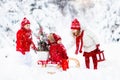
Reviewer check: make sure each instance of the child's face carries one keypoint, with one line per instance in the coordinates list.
(27, 26)
(50, 38)
(75, 32)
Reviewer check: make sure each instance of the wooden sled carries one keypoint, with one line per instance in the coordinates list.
(44, 63)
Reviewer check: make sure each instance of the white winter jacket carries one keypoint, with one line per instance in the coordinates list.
(89, 41)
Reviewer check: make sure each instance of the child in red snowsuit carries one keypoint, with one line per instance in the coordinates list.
(57, 51)
(24, 39)
(87, 41)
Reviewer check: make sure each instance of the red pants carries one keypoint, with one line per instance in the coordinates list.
(92, 54)
(65, 64)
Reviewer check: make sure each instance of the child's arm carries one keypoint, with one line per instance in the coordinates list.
(33, 46)
(63, 51)
(20, 42)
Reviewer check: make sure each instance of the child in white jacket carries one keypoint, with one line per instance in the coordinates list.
(85, 41)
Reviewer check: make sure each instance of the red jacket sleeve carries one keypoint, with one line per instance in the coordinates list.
(24, 40)
(53, 53)
(19, 39)
(62, 51)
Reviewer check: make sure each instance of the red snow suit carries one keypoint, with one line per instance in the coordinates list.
(24, 40)
(58, 52)
(58, 55)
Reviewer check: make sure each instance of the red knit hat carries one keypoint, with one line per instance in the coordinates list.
(24, 22)
(75, 24)
(56, 37)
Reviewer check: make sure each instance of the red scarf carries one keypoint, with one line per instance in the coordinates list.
(79, 39)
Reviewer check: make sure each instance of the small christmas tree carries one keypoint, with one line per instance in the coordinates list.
(43, 42)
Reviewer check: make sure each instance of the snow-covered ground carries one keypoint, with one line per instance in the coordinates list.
(10, 69)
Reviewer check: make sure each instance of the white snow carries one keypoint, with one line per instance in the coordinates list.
(10, 69)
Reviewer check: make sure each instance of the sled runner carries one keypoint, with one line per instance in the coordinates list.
(76, 62)
(51, 73)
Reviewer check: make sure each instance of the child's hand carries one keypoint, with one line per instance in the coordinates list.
(34, 47)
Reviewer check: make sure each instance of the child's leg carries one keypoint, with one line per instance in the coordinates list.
(65, 64)
(87, 61)
(28, 59)
(95, 63)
